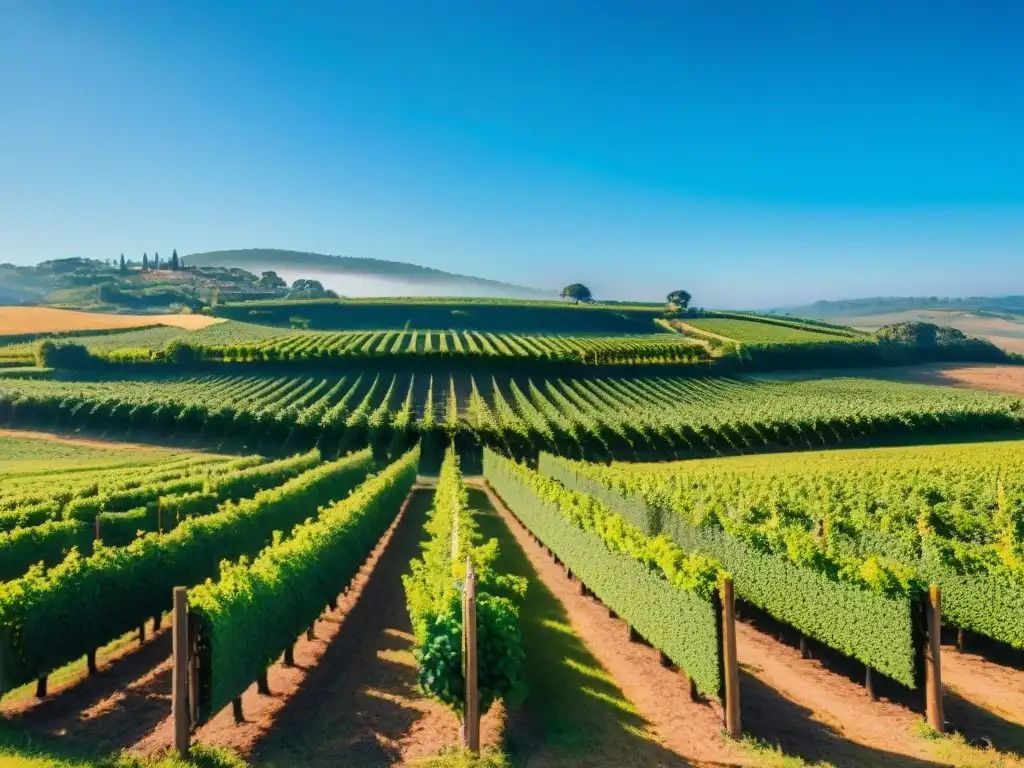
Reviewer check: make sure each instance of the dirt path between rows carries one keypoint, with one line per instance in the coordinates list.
(689, 731)
(809, 710)
(984, 698)
(108, 711)
(351, 699)
(819, 709)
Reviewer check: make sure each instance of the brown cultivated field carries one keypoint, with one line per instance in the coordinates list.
(18, 320)
(994, 378)
(997, 378)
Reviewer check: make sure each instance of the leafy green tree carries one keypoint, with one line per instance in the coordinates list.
(577, 292)
(679, 299)
(175, 261)
(145, 263)
(271, 281)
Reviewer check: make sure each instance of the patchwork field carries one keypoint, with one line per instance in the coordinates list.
(38, 320)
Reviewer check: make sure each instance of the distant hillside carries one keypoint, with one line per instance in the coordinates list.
(881, 305)
(999, 319)
(352, 276)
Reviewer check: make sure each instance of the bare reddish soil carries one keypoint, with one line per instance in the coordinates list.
(996, 378)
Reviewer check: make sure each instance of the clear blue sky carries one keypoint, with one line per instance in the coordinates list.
(754, 153)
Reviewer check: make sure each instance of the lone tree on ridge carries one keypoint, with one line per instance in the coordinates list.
(577, 292)
(679, 299)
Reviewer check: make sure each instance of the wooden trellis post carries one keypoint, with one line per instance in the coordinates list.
(180, 711)
(933, 660)
(471, 721)
(732, 673)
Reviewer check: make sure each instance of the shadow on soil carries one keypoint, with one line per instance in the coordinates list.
(778, 721)
(343, 715)
(102, 712)
(981, 727)
(574, 714)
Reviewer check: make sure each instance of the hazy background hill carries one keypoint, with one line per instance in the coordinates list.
(1000, 319)
(352, 276)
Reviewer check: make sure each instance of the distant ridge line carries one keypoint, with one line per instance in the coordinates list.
(272, 258)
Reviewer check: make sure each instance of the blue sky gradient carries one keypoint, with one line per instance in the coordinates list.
(754, 153)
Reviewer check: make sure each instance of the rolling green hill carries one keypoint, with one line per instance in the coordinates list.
(405, 278)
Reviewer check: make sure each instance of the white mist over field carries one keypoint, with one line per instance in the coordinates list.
(358, 285)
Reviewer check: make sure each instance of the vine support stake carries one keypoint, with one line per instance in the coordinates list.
(471, 725)
(933, 660)
(732, 672)
(90, 662)
(961, 639)
(869, 683)
(180, 711)
(236, 710)
(41, 687)
(263, 685)
(805, 651)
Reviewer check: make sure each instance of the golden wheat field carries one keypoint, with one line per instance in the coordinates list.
(18, 320)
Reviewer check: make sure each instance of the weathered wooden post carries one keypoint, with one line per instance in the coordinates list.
(933, 660)
(869, 683)
(90, 662)
(180, 710)
(471, 724)
(961, 639)
(732, 673)
(98, 537)
(805, 651)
